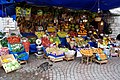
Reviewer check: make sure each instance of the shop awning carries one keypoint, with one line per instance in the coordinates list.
(91, 5)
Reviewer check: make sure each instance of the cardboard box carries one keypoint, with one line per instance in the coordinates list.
(8, 57)
(9, 63)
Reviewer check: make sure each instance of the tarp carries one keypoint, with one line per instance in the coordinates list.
(77, 4)
(91, 5)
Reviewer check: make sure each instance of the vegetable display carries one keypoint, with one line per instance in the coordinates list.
(55, 40)
(4, 42)
(32, 40)
(17, 47)
(11, 66)
(45, 42)
(13, 39)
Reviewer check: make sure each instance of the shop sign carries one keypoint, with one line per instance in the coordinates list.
(23, 11)
(18, 11)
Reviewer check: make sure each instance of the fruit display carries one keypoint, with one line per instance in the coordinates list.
(61, 34)
(6, 60)
(54, 40)
(82, 30)
(56, 51)
(45, 42)
(51, 29)
(32, 40)
(97, 50)
(101, 57)
(39, 34)
(11, 66)
(81, 43)
(86, 52)
(77, 39)
(66, 27)
(72, 33)
(17, 47)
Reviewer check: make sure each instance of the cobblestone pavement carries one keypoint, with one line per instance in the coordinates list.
(65, 70)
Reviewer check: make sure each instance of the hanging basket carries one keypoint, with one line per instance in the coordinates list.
(97, 19)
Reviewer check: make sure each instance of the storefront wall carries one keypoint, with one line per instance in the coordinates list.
(115, 26)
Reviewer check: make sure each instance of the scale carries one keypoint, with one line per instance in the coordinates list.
(39, 48)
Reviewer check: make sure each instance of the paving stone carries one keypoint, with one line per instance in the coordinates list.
(71, 70)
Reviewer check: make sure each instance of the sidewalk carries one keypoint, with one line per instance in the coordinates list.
(71, 70)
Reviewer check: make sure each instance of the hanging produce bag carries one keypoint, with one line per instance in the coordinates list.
(26, 46)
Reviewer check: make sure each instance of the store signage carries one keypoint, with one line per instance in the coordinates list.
(26, 12)
(7, 24)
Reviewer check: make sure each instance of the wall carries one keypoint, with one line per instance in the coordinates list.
(115, 27)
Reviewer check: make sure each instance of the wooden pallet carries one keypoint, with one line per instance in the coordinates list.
(68, 58)
(100, 62)
(22, 62)
(39, 56)
(56, 59)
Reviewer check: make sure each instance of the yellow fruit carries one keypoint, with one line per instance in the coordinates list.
(5, 60)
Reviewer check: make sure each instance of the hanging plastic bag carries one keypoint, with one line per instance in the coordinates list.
(78, 54)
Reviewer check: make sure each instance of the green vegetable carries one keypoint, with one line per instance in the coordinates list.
(20, 56)
(4, 43)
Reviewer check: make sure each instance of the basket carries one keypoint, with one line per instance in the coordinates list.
(69, 54)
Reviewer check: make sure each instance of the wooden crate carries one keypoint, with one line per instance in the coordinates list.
(8, 56)
(100, 62)
(22, 62)
(8, 59)
(68, 58)
(56, 59)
